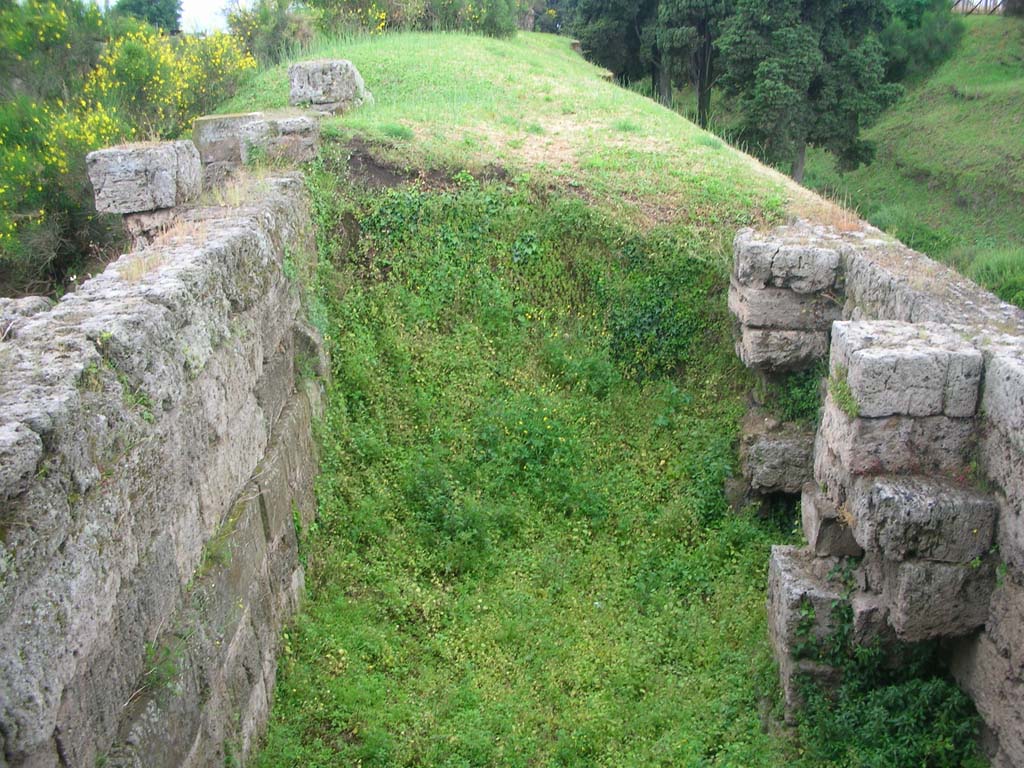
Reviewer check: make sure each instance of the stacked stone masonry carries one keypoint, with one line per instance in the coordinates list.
(157, 459)
(155, 454)
(918, 458)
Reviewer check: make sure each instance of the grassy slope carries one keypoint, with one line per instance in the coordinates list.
(531, 104)
(522, 555)
(949, 175)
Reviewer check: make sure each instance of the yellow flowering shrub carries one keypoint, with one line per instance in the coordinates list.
(138, 75)
(210, 69)
(140, 84)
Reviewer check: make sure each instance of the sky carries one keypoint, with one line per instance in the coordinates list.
(203, 15)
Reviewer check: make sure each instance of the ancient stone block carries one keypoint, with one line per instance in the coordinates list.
(922, 517)
(1004, 465)
(327, 85)
(827, 532)
(902, 369)
(235, 139)
(144, 177)
(763, 261)
(14, 312)
(928, 600)
(1003, 399)
(778, 351)
(776, 457)
(897, 444)
(832, 478)
(800, 614)
(781, 308)
(997, 690)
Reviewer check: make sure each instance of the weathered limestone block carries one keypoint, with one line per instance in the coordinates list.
(832, 478)
(902, 369)
(144, 177)
(1004, 464)
(898, 444)
(827, 532)
(785, 258)
(775, 457)
(1003, 399)
(327, 85)
(928, 600)
(990, 668)
(800, 615)
(885, 280)
(235, 139)
(780, 351)
(781, 308)
(922, 517)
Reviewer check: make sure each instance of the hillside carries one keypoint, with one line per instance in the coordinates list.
(949, 175)
(523, 553)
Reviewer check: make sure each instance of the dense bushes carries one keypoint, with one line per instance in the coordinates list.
(270, 28)
(73, 80)
(921, 35)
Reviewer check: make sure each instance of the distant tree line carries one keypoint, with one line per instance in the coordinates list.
(799, 72)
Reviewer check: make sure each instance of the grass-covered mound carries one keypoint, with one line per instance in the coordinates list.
(523, 555)
(949, 175)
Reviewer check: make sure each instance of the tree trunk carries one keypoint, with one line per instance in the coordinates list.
(702, 65)
(798, 162)
(664, 84)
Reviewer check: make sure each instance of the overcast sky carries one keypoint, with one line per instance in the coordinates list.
(203, 15)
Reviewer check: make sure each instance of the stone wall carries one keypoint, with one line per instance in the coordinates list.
(156, 454)
(156, 459)
(918, 459)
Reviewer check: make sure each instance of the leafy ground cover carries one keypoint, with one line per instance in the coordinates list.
(949, 175)
(522, 554)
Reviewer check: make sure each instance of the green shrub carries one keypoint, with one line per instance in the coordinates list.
(270, 28)
(921, 35)
(797, 395)
(129, 82)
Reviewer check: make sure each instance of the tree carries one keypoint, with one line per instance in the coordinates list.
(687, 30)
(165, 14)
(807, 72)
(616, 34)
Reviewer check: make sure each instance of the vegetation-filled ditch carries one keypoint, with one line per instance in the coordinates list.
(523, 555)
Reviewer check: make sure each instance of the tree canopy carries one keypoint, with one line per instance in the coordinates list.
(165, 14)
(807, 72)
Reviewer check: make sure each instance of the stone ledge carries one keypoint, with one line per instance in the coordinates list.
(903, 369)
(828, 533)
(922, 517)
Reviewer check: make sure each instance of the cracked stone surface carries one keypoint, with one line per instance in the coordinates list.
(144, 177)
(332, 86)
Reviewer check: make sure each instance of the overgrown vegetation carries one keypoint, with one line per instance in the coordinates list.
(73, 79)
(889, 707)
(949, 174)
(523, 555)
(796, 396)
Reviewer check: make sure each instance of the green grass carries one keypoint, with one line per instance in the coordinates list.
(522, 554)
(530, 105)
(949, 175)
